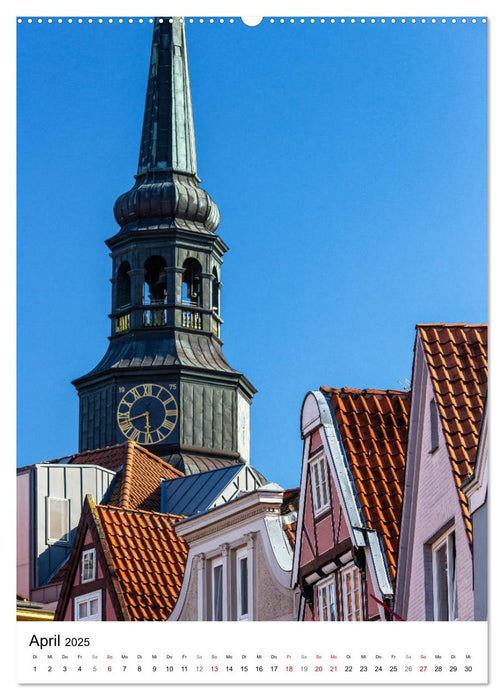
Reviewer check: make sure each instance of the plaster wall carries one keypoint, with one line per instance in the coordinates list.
(272, 600)
(23, 534)
(480, 545)
(437, 504)
(190, 606)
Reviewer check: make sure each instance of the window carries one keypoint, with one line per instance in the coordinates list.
(242, 585)
(88, 566)
(58, 519)
(191, 282)
(351, 592)
(88, 607)
(217, 590)
(326, 600)
(320, 486)
(444, 578)
(434, 426)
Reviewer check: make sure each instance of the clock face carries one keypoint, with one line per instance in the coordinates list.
(147, 413)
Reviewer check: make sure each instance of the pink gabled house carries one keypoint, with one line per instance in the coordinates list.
(350, 503)
(435, 570)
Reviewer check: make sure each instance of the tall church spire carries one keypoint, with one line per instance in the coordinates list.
(167, 182)
(164, 381)
(168, 130)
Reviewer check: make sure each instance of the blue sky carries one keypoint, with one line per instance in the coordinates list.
(349, 165)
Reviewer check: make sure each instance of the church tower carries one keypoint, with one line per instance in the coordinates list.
(164, 381)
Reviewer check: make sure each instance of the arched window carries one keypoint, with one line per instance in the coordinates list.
(155, 291)
(191, 282)
(155, 280)
(123, 286)
(215, 291)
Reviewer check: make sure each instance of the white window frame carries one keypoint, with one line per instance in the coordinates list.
(215, 564)
(88, 598)
(320, 485)
(65, 539)
(446, 540)
(356, 613)
(327, 587)
(242, 554)
(92, 577)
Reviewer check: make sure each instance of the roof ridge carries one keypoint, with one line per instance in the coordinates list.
(350, 390)
(125, 492)
(154, 457)
(101, 506)
(451, 325)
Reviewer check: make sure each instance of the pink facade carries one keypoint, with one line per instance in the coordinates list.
(325, 547)
(101, 583)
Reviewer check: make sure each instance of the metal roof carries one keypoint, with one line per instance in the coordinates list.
(196, 493)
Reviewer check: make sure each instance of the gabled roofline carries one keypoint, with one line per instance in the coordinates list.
(361, 535)
(90, 517)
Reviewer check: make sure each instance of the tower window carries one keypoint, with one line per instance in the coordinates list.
(191, 282)
(215, 291)
(155, 291)
(123, 286)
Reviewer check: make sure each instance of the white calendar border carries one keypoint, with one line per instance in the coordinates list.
(271, 8)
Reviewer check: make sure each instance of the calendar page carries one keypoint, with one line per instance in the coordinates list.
(252, 347)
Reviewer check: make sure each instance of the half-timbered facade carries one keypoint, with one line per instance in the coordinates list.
(350, 503)
(126, 565)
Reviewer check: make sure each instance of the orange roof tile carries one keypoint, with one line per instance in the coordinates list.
(373, 425)
(138, 483)
(147, 557)
(456, 356)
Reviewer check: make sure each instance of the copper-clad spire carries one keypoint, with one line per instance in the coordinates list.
(166, 191)
(168, 130)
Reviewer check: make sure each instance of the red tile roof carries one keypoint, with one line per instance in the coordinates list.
(373, 425)
(146, 558)
(138, 483)
(456, 356)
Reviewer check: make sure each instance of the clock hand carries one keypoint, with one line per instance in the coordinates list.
(140, 415)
